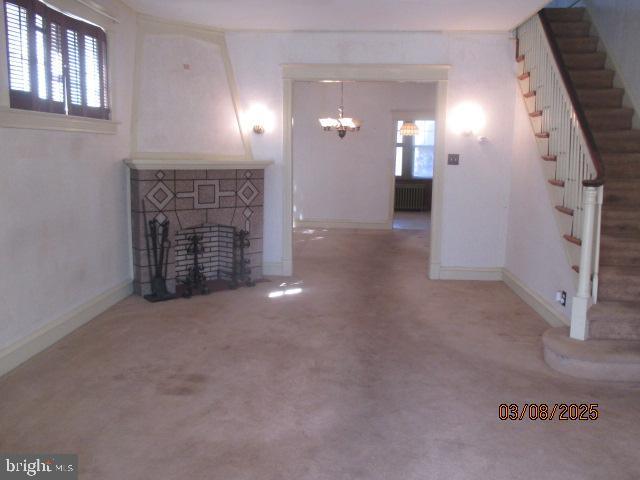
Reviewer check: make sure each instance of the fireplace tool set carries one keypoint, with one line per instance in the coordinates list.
(158, 244)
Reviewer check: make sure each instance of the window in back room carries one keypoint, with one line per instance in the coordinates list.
(415, 154)
(57, 63)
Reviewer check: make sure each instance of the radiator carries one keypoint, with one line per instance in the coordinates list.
(409, 196)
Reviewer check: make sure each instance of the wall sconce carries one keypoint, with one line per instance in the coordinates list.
(259, 118)
(468, 119)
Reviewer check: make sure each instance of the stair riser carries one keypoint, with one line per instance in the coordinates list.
(619, 288)
(624, 142)
(609, 122)
(622, 166)
(620, 258)
(627, 198)
(578, 45)
(614, 330)
(571, 30)
(621, 224)
(585, 61)
(600, 99)
(613, 145)
(595, 79)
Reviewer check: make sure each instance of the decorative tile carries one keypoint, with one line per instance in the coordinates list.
(248, 192)
(221, 174)
(160, 196)
(151, 174)
(191, 174)
(206, 194)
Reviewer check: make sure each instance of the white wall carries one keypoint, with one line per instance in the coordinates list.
(618, 23)
(184, 99)
(475, 193)
(350, 179)
(535, 251)
(63, 209)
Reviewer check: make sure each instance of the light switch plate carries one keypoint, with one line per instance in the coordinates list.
(454, 159)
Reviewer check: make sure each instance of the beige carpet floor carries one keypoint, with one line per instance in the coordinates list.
(370, 372)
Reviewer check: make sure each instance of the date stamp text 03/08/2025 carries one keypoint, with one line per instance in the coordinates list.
(585, 412)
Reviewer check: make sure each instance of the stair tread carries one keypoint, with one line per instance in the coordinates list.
(572, 239)
(610, 352)
(565, 210)
(564, 14)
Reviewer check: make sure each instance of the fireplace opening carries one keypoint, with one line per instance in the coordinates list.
(211, 258)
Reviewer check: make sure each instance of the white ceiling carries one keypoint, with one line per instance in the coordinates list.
(345, 15)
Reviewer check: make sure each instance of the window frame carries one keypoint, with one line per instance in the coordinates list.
(408, 147)
(43, 120)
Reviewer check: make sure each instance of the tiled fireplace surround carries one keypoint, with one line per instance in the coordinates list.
(191, 198)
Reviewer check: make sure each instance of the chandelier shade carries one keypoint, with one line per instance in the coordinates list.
(409, 129)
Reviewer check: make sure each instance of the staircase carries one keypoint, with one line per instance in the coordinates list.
(617, 313)
(584, 130)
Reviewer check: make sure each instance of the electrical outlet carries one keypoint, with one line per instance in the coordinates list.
(454, 159)
(561, 298)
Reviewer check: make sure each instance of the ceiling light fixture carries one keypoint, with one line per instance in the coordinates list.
(409, 129)
(342, 124)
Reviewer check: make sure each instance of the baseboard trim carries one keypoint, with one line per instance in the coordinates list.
(491, 274)
(534, 300)
(343, 224)
(434, 271)
(47, 335)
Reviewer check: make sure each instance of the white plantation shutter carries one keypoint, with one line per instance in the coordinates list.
(18, 47)
(56, 63)
(73, 68)
(92, 71)
(41, 59)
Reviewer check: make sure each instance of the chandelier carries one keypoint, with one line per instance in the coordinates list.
(409, 129)
(342, 124)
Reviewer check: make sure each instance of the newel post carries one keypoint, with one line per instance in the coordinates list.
(579, 324)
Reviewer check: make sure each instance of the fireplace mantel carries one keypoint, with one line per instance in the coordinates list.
(194, 164)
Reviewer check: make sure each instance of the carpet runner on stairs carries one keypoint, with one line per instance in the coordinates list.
(617, 314)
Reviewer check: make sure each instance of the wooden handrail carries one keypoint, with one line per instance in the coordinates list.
(575, 101)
